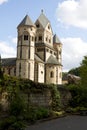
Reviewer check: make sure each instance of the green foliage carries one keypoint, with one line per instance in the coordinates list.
(42, 112)
(79, 92)
(36, 113)
(79, 96)
(11, 123)
(75, 71)
(20, 110)
(55, 97)
(17, 106)
(1, 73)
(83, 72)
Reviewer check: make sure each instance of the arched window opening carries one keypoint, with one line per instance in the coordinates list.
(25, 37)
(51, 74)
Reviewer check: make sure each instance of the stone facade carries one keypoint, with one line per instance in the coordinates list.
(39, 52)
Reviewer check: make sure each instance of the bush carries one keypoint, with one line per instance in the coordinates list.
(79, 96)
(42, 112)
(55, 97)
(17, 106)
(11, 123)
(4, 124)
(34, 114)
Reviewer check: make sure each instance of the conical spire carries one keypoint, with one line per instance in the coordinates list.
(26, 22)
(56, 39)
(43, 20)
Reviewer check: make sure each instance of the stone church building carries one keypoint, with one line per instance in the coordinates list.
(39, 51)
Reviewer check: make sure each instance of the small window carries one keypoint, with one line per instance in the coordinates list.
(32, 38)
(41, 72)
(60, 75)
(25, 37)
(49, 41)
(37, 25)
(48, 26)
(46, 38)
(40, 38)
(47, 50)
(35, 38)
(50, 51)
(59, 52)
(54, 53)
(51, 74)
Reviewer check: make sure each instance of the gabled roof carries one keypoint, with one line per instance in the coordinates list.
(37, 58)
(8, 62)
(43, 20)
(26, 22)
(56, 39)
(52, 60)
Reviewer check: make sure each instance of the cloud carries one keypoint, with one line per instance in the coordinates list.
(3, 1)
(74, 49)
(73, 13)
(14, 40)
(6, 50)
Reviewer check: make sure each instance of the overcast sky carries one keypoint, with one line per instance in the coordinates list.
(68, 20)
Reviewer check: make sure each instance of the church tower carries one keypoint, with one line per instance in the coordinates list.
(58, 47)
(25, 49)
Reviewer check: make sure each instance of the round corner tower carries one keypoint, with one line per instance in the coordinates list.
(25, 49)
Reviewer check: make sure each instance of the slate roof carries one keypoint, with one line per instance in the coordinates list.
(37, 58)
(52, 60)
(56, 39)
(12, 61)
(8, 62)
(43, 20)
(26, 22)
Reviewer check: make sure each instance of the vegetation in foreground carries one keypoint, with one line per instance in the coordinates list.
(20, 112)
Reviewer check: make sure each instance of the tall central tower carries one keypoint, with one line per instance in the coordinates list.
(25, 49)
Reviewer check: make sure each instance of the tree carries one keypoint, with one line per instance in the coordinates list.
(75, 71)
(83, 72)
(1, 73)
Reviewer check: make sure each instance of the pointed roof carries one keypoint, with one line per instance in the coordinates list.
(9, 62)
(26, 22)
(37, 58)
(43, 20)
(56, 39)
(52, 60)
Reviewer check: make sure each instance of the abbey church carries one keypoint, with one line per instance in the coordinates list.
(39, 52)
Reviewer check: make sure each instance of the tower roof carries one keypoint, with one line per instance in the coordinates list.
(52, 60)
(56, 39)
(43, 19)
(9, 62)
(26, 22)
(37, 58)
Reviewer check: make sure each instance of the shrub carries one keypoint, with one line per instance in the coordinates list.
(42, 112)
(36, 113)
(79, 96)
(55, 97)
(4, 124)
(17, 106)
